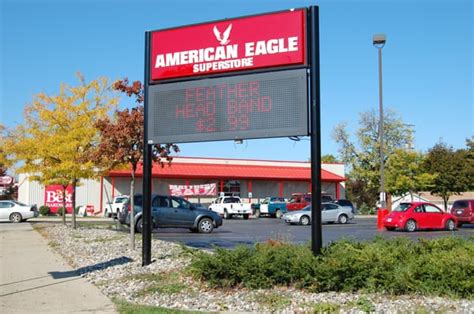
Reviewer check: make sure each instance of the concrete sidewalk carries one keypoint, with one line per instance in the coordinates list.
(34, 279)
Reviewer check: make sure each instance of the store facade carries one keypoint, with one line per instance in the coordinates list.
(201, 180)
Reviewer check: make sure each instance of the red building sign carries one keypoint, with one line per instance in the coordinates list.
(53, 197)
(247, 43)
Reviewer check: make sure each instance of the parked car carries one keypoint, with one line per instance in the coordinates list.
(272, 206)
(346, 203)
(299, 201)
(112, 209)
(137, 203)
(463, 210)
(229, 206)
(176, 212)
(17, 212)
(419, 215)
(330, 213)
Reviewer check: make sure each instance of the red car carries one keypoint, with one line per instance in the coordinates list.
(464, 211)
(419, 215)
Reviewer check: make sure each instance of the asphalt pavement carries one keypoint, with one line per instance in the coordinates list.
(34, 279)
(248, 232)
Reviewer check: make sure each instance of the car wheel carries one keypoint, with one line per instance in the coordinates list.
(304, 220)
(246, 216)
(16, 217)
(410, 226)
(342, 219)
(278, 214)
(390, 228)
(139, 226)
(226, 214)
(257, 213)
(450, 225)
(205, 225)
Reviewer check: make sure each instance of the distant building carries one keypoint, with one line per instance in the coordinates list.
(202, 180)
(434, 199)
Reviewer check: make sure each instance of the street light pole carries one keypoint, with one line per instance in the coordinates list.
(379, 42)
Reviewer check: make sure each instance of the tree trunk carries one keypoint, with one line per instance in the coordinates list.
(64, 205)
(132, 212)
(445, 200)
(74, 183)
(389, 202)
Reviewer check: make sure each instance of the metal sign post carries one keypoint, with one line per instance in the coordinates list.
(147, 160)
(315, 122)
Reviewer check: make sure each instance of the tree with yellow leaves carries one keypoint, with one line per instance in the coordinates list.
(56, 142)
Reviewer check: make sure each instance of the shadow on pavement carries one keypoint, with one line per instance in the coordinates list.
(89, 269)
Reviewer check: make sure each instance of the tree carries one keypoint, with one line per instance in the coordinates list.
(328, 158)
(56, 141)
(452, 170)
(405, 173)
(363, 157)
(4, 162)
(122, 141)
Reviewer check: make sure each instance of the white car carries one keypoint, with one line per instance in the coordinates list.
(16, 212)
(330, 212)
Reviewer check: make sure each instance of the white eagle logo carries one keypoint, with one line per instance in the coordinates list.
(224, 38)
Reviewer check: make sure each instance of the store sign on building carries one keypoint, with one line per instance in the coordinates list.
(246, 43)
(193, 190)
(53, 197)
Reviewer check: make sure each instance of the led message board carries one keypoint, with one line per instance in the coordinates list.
(246, 43)
(263, 105)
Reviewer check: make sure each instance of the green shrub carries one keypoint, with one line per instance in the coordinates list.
(60, 211)
(441, 266)
(45, 210)
(365, 209)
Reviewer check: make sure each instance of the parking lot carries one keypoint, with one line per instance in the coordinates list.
(248, 232)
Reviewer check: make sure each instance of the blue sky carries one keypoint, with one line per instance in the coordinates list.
(427, 61)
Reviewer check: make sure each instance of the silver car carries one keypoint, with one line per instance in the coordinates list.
(330, 212)
(16, 212)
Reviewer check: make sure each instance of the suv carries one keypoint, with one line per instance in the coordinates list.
(346, 203)
(463, 210)
(175, 212)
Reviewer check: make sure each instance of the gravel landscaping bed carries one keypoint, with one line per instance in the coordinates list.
(102, 255)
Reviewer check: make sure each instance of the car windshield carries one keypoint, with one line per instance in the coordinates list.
(121, 199)
(18, 203)
(402, 207)
(307, 209)
(265, 201)
(292, 200)
(179, 202)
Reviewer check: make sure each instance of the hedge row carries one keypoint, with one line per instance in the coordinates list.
(443, 266)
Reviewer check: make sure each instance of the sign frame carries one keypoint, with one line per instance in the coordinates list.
(313, 66)
(221, 113)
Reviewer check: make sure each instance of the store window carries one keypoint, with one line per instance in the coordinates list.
(232, 188)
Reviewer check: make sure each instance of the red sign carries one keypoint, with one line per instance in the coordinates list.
(193, 190)
(6, 180)
(254, 42)
(53, 197)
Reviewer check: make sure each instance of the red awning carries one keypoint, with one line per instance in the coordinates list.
(231, 171)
